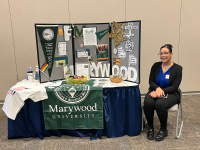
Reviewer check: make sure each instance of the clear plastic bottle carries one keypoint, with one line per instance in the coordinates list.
(37, 73)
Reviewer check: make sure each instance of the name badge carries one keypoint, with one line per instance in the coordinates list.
(167, 76)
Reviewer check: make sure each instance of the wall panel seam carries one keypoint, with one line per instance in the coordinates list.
(13, 38)
(179, 39)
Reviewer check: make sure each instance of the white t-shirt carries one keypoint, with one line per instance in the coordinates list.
(20, 92)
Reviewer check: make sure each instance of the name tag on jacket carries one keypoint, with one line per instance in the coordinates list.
(167, 76)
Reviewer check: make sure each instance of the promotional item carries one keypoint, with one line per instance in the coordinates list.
(30, 76)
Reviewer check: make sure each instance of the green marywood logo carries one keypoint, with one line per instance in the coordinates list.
(77, 33)
(71, 94)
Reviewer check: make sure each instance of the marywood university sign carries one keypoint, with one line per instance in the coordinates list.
(73, 109)
(70, 95)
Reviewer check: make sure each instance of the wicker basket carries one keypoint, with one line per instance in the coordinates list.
(116, 80)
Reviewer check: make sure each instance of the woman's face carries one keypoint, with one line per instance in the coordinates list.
(165, 55)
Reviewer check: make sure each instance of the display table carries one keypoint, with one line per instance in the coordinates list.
(122, 116)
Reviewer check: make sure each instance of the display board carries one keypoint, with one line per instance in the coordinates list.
(126, 55)
(100, 47)
(92, 44)
(54, 47)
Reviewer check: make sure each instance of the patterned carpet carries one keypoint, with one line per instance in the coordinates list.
(189, 139)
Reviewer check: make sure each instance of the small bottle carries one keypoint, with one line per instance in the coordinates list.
(28, 69)
(37, 73)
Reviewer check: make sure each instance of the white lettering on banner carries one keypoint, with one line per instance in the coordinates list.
(65, 109)
(89, 107)
(102, 67)
(60, 109)
(70, 109)
(50, 108)
(128, 72)
(49, 44)
(74, 116)
(83, 108)
(76, 108)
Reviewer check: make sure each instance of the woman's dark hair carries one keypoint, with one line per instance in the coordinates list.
(168, 46)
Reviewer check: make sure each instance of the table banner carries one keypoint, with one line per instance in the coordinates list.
(74, 106)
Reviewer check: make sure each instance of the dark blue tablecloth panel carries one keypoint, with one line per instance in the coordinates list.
(122, 116)
(30, 123)
(122, 108)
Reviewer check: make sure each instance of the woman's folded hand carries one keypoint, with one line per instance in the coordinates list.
(153, 94)
(159, 92)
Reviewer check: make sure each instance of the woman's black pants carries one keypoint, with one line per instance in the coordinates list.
(161, 105)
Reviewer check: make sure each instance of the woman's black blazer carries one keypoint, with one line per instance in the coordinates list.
(174, 79)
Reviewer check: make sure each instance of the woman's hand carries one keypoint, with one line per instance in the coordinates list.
(159, 92)
(153, 94)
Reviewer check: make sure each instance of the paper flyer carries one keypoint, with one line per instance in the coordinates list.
(62, 48)
(132, 60)
(89, 36)
(83, 69)
(82, 53)
(116, 61)
(102, 52)
(67, 33)
(121, 53)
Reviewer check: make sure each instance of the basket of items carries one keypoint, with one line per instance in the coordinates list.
(116, 78)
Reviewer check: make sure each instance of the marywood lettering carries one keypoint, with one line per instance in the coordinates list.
(72, 108)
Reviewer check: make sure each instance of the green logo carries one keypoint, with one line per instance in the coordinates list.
(77, 33)
(72, 94)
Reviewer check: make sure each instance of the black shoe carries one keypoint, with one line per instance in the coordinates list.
(161, 135)
(150, 134)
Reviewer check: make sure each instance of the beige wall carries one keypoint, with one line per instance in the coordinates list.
(189, 56)
(160, 25)
(24, 15)
(8, 75)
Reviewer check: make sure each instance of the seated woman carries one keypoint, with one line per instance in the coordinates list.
(164, 80)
